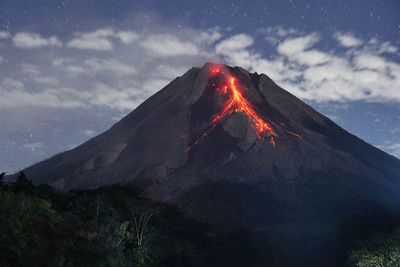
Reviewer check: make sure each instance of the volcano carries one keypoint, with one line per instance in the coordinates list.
(233, 149)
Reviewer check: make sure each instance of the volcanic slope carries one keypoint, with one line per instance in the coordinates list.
(234, 149)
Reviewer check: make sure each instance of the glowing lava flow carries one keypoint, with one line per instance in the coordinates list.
(239, 104)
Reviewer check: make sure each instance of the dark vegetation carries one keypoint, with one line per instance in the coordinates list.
(378, 249)
(109, 226)
(116, 226)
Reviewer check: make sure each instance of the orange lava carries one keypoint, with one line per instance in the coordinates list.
(237, 103)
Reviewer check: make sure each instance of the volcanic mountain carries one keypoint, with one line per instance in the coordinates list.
(234, 149)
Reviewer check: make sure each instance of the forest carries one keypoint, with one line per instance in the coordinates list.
(117, 226)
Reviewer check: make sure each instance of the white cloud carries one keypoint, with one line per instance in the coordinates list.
(387, 48)
(167, 45)
(75, 70)
(97, 40)
(60, 61)
(4, 35)
(275, 34)
(110, 65)
(393, 149)
(46, 80)
(57, 98)
(347, 40)
(311, 57)
(29, 69)
(34, 40)
(127, 37)
(234, 43)
(292, 46)
(89, 133)
(12, 84)
(100, 44)
(313, 74)
(298, 64)
(121, 99)
(1, 59)
(101, 39)
(208, 37)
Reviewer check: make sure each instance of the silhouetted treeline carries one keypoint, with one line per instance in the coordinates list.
(110, 226)
(116, 226)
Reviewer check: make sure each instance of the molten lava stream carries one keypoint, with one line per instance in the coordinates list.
(239, 104)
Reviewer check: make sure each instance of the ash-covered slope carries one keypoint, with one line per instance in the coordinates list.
(270, 161)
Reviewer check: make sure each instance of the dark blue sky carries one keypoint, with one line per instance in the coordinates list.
(70, 69)
(367, 17)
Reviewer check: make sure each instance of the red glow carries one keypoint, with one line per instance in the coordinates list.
(237, 103)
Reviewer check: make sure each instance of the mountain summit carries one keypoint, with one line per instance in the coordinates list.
(233, 148)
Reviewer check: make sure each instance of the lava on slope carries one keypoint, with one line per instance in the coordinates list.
(237, 103)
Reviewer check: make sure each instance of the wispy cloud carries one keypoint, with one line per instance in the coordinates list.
(89, 133)
(393, 149)
(101, 39)
(4, 35)
(110, 65)
(34, 40)
(311, 73)
(234, 43)
(167, 45)
(347, 39)
(121, 78)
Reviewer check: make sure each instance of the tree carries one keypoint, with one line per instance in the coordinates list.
(141, 220)
(23, 184)
(378, 249)
(2, 183)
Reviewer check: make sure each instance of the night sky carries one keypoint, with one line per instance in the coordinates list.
(69, 70)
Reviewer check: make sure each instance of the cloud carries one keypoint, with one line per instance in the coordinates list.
(29, 69)
(292, 46)
(127, 37)
(12, 84)
(234, 43)
(55, 98)
(34, 40)
(115, 98)
(46, 80)
(60, 61)
(101, 39)
(1, 59)
(75, 70)
(4, 35)
(90, 43)
(387, 48)
(112, 80)
(89, 133)
(296, 49)
(311, 73)
(208, 37)
(167, 45)
(110, 65)
(275, 34)
(347, 40)
(393, 149)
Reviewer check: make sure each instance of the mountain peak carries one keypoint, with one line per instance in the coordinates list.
(233, 148)
(205, 119)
